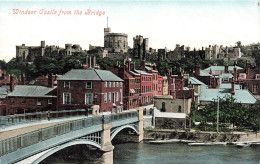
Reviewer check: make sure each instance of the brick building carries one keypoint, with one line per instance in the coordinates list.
(208, 79)
(160, 85)
(28, 99)
(82, 88)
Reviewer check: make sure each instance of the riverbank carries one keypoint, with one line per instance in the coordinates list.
(198, 136)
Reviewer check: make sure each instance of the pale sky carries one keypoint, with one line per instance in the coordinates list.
(193, 23)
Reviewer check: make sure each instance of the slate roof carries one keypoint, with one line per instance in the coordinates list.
(143, 72)
(4, 90)
(203, 73)
(241, 96)
(90, 74)
(148, 68)
(221, 68)
(195, 81)
(226, 75)
(31, 91)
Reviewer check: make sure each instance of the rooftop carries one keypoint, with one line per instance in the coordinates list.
(31, 91)
(90, 74)
(143, 72)
(241, 96)
(221, 68)
(195, 81)
(203, 73)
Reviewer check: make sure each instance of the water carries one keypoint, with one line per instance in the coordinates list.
(145, 153)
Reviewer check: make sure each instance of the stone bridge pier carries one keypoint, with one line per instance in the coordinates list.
(107, 147)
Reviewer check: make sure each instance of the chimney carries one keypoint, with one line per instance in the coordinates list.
(226, 68)
(94, 61)
(143, 65)
(87, 60)
(197, 70)
(235, 73)
(247, 67)
(233, 87)
(132, 66)
(50, 81)
(90, 62)
(12, 80)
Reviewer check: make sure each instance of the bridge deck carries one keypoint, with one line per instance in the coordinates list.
(17, 130)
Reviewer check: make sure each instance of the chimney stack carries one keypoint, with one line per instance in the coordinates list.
(226, 68)
(233, 88)
(50, 81)
(12, 80)
(94, 61)
(197, 70)
(235, 73)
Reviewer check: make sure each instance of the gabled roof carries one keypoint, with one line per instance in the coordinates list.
(127, 75)
(203, 73)
(31, 91)
(221, 68)
(4, 90)
(148, 68)
(226, 75)
(195, 81)
(143, 72)
(90, 74)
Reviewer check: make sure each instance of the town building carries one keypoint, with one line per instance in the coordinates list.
(160, 85)
(83, 88)
(29, 99)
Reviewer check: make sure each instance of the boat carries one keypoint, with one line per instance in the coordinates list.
(243, 144)
(164, 141)
(207, 143)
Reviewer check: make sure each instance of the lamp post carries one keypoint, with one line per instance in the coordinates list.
(217, 113)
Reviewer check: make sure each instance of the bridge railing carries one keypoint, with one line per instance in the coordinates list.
(38, 116)
(28, 139)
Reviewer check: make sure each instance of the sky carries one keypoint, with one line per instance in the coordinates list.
(193, 23)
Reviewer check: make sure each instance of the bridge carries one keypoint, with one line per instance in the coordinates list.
(98, 131)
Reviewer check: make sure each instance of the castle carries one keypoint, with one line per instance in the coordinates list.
(28, 53)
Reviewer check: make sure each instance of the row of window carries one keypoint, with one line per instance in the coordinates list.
(39, 101)
(146, 89)
(146, 99)
(113, 84)
(88, 84)
(114, 95)
(146, 78)
(88, 98)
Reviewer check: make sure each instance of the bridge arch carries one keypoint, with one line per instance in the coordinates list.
(51, 151)
(117, 130)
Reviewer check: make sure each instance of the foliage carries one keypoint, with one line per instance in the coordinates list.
(229, 112)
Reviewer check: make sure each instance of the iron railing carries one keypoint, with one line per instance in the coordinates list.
(28, 139)
(38, 116)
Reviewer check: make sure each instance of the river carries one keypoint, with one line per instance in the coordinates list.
(144, 153)
(180, 153)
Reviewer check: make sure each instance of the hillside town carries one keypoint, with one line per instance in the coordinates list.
(127, 86)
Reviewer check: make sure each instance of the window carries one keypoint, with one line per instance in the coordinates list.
(109, 97)
(117, 96)
(89, 98)
(109, 84)
(257, 76)
(49, 101)
(254, 90)
(66, 98)
(121, 96)
(179, 109)
(23, 101)
(242, 76)
(67, 84)
(89, 85)
(225, 79)
(39, 102)
(114, 98)
(105, 97)
(105, 84)
(12, 100)
(114, 84)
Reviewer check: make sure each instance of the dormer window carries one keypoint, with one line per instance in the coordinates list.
(257, 76)
(242, 76)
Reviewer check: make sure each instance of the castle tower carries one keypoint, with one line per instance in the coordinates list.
(107, 30)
